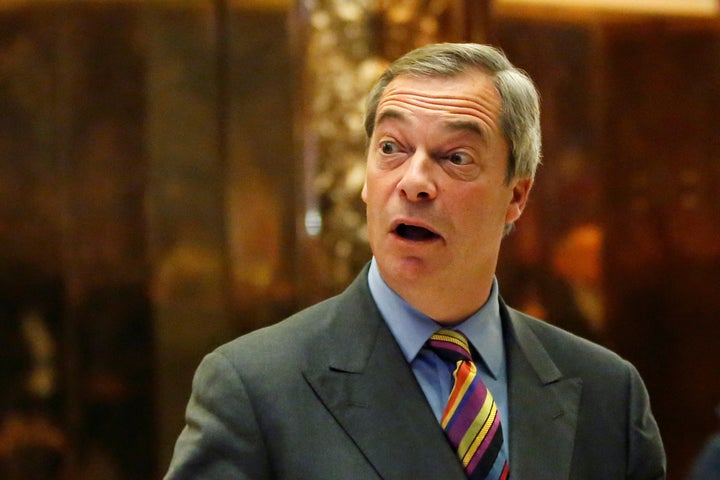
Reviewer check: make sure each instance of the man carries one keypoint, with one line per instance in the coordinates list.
(360, 387)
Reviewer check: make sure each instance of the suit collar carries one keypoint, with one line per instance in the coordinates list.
(365, 382)
(359, 373)
(538, 358)
(543, 402)
(412, 328)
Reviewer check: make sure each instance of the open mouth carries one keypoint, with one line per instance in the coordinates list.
(415, 233)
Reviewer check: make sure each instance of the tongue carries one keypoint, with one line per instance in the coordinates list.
(411, 232)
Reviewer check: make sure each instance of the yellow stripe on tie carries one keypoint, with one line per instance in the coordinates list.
(479, 428)
(470, 453)
(452, 336)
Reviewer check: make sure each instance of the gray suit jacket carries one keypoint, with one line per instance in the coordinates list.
(327, 394)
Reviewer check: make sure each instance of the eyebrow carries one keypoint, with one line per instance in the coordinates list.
(463, 125)
(390, 114)
(456, 125)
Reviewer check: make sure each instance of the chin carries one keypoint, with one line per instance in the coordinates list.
(407, 268)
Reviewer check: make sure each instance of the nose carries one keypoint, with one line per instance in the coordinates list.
(417, 182)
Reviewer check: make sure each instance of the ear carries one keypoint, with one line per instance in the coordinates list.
(520, 194)
(363, 194)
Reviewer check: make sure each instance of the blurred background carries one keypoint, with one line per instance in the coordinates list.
(176, 173)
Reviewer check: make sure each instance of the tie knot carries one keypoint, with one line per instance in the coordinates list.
(450, 345)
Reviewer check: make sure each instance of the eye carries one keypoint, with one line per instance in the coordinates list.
(388, 148)
(459, 158)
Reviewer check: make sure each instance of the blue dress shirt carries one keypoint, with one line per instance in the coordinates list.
(412, 329)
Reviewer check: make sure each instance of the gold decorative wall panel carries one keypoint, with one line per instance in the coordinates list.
(344, 46)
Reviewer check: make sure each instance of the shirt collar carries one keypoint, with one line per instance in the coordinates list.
(412, 328)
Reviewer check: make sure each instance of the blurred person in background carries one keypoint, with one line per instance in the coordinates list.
(707, 464)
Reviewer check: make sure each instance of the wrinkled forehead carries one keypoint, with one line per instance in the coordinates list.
(464, 75)
(470, 96)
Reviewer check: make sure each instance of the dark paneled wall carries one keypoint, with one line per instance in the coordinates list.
(662, 174)
(631, 154)
(146, 215)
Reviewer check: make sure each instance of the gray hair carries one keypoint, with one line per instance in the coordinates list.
(520, 111)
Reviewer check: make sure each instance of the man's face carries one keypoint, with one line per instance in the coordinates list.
(436, 192)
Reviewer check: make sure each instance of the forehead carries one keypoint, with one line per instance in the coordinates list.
(469, 96)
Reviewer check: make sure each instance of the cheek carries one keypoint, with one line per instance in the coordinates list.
(484, 211)
(375, 188)
(370, 197)
(369, 192)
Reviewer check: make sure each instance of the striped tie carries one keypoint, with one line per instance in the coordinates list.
(471, 420)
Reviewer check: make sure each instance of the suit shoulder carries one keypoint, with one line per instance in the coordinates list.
(279, 338)
(566, 348)
(303, 333)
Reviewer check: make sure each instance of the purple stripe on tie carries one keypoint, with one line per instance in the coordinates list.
(487, 441)
(442, 345)
(467, 411)
(486, 462)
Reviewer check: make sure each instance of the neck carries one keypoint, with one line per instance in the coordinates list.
(448, 304)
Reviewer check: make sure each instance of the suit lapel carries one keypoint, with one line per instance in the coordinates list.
(361, 376)
(543, 405)
(363, 379)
